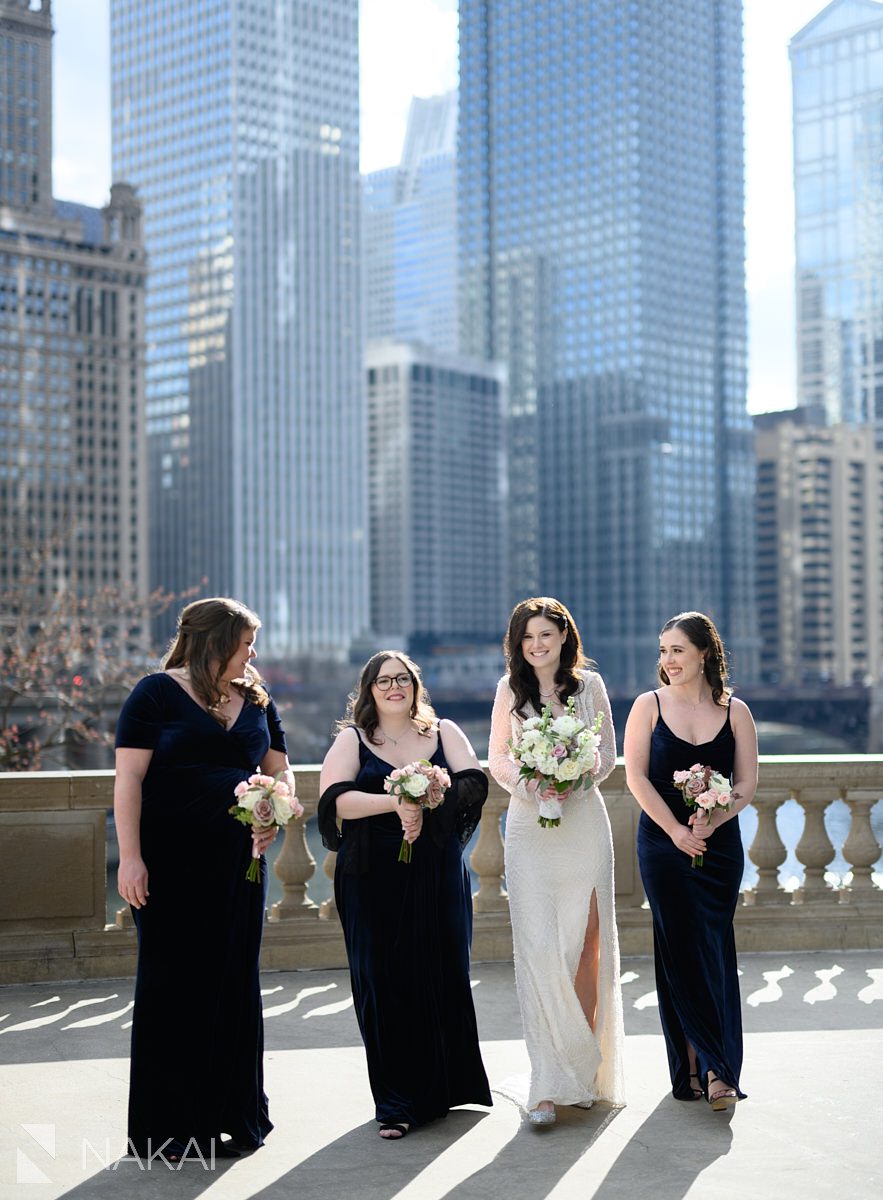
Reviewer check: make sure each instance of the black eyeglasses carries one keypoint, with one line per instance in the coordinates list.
(385, 682)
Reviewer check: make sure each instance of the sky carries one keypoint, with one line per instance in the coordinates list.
(409, 47)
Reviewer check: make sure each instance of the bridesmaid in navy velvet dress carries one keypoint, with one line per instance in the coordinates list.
(407, 926)
(693, 718)
(186, 736)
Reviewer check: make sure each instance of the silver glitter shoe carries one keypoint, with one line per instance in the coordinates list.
(539, 1116)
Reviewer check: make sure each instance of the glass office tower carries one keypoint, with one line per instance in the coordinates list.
(410, 233)
(239, 123)
(602, 249)
(837, 79)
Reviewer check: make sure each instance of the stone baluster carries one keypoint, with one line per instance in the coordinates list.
(295, 867)
(487, 860)
(767, 851)
(328, 908)
(861, 849)
(814, 849)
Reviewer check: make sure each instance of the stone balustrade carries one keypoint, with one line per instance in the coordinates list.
(53, 878)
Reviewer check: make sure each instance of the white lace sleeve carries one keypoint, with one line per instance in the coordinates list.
(601, 703)
(500, 762)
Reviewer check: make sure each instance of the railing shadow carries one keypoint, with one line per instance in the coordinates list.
(359, 1164)
(673, 1147)
(537, 1158)
(132, 1178)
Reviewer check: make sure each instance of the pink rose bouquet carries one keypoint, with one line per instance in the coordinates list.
(263, 801)
(703, 788)
(417, 783)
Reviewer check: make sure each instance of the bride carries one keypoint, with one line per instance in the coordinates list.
(560, 880)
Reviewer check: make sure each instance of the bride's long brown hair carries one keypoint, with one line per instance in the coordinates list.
(522, 677)
(208, 635)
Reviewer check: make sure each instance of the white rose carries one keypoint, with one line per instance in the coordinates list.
(282, 808)
(566, 726)
(717, 783)
(569, 769)
(250, 799)
(415, 785)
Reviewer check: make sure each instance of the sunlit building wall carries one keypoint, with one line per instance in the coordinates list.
(601, 213)
(819, 550)
(72, 454)
(240, 125)
(837, 77)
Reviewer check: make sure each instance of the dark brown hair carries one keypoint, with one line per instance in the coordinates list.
(702, 633)
(522, 677)
(208, 635)
(362, 709)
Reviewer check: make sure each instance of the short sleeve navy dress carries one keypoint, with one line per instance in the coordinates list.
(197, 1025)
(408, 929)
(694, 946)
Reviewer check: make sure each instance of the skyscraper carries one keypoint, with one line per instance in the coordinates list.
(819, 550)
(837, 78)
(601, 231)
(410, 223)
(435, 497)
(72, 456)
(240, 125)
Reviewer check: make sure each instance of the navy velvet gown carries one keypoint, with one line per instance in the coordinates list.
(197, 1026)
(408, 928)
(693, 908)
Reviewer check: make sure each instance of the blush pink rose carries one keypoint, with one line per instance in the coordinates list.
(681, 776)
(559, 751)
(706, 800)
(695, 787)
(241, 788)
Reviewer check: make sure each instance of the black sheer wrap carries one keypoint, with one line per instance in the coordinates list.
(460, 814)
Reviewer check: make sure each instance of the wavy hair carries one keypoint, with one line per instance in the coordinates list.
(522, 677)
(208, 635)
(702, 633)
(361, 709)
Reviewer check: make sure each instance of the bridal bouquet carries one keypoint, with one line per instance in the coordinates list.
(561, 751)
(703, 788)
(417, 783)
(263, 801)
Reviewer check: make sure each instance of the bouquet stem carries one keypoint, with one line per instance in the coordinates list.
(253, 874)
(405, 851)
(697, 860)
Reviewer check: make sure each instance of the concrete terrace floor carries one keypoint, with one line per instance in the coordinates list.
(810, 1128)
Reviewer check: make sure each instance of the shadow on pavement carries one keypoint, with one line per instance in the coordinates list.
(362, 1164)
(130, 1177)
(536, 1159)
(664, 1157)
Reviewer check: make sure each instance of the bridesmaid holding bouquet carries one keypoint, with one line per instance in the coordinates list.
(690, 851)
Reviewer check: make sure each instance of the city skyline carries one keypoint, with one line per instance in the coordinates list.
(390, 77)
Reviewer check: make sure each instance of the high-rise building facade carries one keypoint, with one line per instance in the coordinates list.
(72, 454)
(410, 226)
(819, 550)
(837, 79)
(436, 497)
(240, 125)
(601, 229)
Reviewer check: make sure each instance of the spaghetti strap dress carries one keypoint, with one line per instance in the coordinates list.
(694, 945)
(408, 929)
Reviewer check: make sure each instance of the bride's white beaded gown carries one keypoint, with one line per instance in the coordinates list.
(550, 877)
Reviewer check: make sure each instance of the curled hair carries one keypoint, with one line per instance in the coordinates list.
(361, 709)
(208, 635)
(522, 677)
(702, 633)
